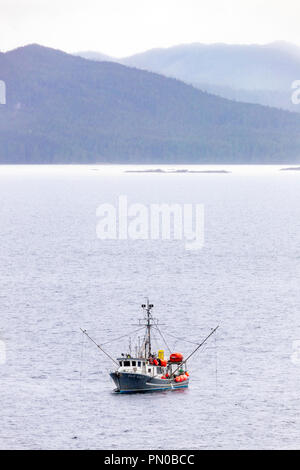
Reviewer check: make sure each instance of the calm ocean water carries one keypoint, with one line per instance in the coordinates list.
(56, 277)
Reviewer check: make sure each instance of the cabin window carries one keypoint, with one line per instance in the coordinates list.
(134, 363)
(120, 362)
(126, 363)
(158, 370)
(149, 370)
(139, 364)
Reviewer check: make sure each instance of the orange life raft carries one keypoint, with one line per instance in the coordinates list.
(176, 357)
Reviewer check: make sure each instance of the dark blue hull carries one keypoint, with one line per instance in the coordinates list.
(135, 383)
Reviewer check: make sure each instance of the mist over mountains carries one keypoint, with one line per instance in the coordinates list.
(250, 73)
(66, 109)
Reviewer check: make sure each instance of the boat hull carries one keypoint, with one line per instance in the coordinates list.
(135, 383)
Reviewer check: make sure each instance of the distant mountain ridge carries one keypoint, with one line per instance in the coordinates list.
(249, 67)
(97, 56)
(66, 109)
(250, 73)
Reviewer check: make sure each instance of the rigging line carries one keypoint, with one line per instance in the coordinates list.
(195, 350)
(120, 337)
(81, 361)
(203, 342)
(216, 358)
(98, 346)
(163, 338)
(182, 339)
(143, 347)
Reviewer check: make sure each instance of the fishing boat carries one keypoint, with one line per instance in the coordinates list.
(147, 370)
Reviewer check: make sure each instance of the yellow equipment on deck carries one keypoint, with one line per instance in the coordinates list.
(161, 354)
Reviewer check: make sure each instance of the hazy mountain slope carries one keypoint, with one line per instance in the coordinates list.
(252, 67)
(98, 56)
(254, 73)
(278, 99)
(62, 108)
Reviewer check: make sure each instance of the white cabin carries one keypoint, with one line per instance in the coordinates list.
(139, 366)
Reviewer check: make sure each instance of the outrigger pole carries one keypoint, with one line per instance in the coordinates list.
(198, 347)
(98, 346)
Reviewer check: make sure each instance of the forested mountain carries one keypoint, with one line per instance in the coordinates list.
(63, 108)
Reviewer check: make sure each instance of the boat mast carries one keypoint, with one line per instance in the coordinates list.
(149, 323)
(148, 309)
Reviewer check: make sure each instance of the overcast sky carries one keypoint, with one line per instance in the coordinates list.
(124, 27)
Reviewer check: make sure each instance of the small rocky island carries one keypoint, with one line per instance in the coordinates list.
(159, 170)
(297, 168)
